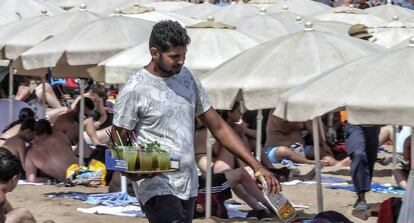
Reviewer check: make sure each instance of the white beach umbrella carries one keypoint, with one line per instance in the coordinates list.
(301, 7)
(150, 14)
(336, 27)
(209, 48)
(66, 4)
(198, 11)
(351, 16)
(230, 14)
(388, 11)
(29, 37)
(263, 27)
(88, 44)
(393, 33)
(14, 10)
(168, 5)
(260, 78)
(107, 7)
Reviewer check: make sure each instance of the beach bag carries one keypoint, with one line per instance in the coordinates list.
(389, 210)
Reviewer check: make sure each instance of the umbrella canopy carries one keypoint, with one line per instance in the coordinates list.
(88, 44)
(301, 7)
(367, 88)
(107, 7)
(286, 14)
(4, 110)
(149, 14)
(168, 6)
(230, 14)
(388, 11)
(336, 27)
(66, 4)
(198, 11)
(263, 27)
(351, 16)
(393, 33)
(209, 48)
(28, 37)
(259, 78)
(12, 10)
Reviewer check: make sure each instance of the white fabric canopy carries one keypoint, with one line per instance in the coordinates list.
(261, 74)
(393, 33)
(301, 7)
(373, 90)
(263, 27)
(107, 7)
(26, 38)
(198, 11)
(388, 11)
(167, 5)
(209, 48)
(67, 4)
(157, 16)
(351, 16)
(88, 44)
(230, 14)
(14, 10)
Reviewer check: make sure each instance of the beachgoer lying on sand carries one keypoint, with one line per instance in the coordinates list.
(97, 94)
(35, 97)
(51, 154)
(20, 143)
(14, 127)
(10, 169)
(285, 140)
(241, 182)
(401, 175)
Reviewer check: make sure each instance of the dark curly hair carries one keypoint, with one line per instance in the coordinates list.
(10, 165)
(168, 34)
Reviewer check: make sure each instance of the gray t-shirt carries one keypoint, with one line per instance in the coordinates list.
(164, 109)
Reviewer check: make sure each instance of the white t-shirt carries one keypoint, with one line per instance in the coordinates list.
(164, 109)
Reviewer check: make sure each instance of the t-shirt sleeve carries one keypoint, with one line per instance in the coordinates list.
(203, 102)
(126, 108)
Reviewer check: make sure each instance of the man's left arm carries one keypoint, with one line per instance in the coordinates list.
(232, 142)
(102, 112)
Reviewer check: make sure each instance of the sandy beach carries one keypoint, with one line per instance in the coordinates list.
(64, 210)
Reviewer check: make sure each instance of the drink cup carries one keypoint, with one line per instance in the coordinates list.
(154, 160)
(119, 152)
(163, 161)
(130, 156)
(145, 161)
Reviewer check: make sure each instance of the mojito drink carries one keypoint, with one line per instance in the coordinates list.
(163, 161)
(145, 161)
(131, 157)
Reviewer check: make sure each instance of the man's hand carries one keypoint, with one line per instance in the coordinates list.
(273, 184)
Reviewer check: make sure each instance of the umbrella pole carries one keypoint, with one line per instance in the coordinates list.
(394, 147)
(11, 93)
(44, 95)
(259, 120)
(209, 174)
(316, 144)
(81, 122)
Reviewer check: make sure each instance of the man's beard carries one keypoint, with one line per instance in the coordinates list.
(162, 67)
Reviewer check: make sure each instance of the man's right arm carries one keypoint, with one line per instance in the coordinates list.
(31, 169)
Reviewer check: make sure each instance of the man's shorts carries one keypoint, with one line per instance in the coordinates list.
(270, 152)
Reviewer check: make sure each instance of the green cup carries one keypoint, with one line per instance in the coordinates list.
(131, 157)
(145, 161)
(164, 161)
(154, 160)
(119, 152)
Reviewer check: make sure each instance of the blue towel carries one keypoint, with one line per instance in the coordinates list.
(375, 187)
(106, 199)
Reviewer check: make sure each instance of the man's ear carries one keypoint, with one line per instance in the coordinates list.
(155, 54)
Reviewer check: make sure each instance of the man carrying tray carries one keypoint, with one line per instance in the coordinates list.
(160, 103)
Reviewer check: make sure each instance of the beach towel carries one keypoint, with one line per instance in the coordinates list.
(126, 211)
(25, 182)
(375, 187)
(105, 199)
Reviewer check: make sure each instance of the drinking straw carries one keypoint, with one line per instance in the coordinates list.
(110, 136)
(120, 140)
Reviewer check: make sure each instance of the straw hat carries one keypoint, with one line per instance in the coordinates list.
(359, 31)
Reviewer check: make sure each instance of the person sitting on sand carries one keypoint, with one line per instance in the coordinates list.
(68, 123)
(51, 154)
(285, 140)
(20, 143)
(14, 127)
(10, 169)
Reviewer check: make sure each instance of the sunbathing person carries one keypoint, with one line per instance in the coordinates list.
(285, 140)
(20, 143)
(68, 123)
(401, 175)
(241, 182)
(14, 127)
(50, 155)
(10, 169)
(92, 124)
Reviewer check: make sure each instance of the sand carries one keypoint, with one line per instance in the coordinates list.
(64, 210)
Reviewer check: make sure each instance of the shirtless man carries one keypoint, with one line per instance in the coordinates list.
(50, 154)
(97, 94)
(68, 123)
(282, 136)
(10, 169)
(18, 144)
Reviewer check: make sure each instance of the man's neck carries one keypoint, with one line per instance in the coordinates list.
(155, 71)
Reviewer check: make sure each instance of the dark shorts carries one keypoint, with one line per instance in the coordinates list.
(169, 209)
